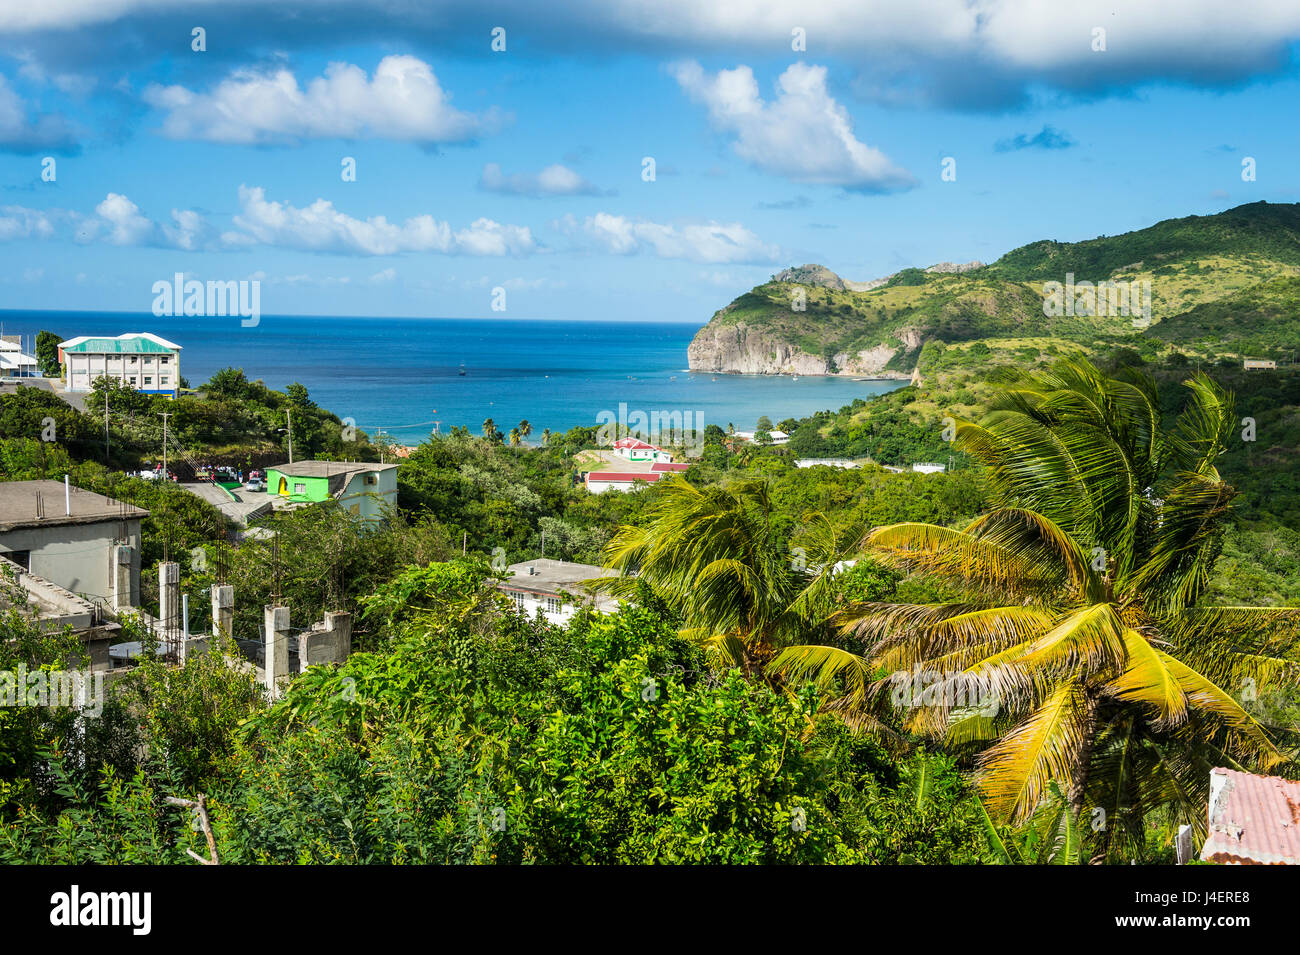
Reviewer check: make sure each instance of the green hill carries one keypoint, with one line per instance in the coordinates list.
(1218, 284)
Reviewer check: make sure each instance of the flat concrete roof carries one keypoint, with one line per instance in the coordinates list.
(319, 469)
(18, 506)
(551, 576)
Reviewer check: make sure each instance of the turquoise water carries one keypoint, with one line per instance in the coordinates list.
(402, 375)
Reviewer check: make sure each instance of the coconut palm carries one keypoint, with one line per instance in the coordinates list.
(546, 436)
(515, 437)
(525, 429)
(1079, 653)
(715, 555)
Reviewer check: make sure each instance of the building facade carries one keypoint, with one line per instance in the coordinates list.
(598, 482)
(365, 489)
(14, 362)
(73, 538)
(140, 360)
(555, 588)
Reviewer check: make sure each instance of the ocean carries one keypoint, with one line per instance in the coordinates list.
(403, 374)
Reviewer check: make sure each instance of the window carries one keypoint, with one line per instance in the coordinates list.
(134, 359)
(372, 478)
(148, 379)
(518, 599)
(300, 489)
(164, 358)
(133, 381)
(552, 604)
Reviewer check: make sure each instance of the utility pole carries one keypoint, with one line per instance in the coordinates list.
(289, 417)
(165, 416)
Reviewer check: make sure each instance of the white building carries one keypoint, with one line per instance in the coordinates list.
(138, 359)
(824, 463)
(598, 482)
(929, 468)
(778, 437)
(634, 449)
(14, 363)
(556, 588)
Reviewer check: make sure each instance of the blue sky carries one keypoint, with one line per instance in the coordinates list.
(522, 169)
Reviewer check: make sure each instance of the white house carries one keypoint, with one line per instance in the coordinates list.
(824, 463)
(634, 449)
(138, 359)
(1254, 364)
(778, 437)
(598, 482)
(14, 363)
(555, 587)
(929, 468)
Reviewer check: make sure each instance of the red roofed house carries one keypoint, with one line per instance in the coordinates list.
(634, 449)
(659, 466)
(598, 482)
(1254, 820)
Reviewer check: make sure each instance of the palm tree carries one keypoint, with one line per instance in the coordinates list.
(1079, 632)
(525, 429)
(515, 437)
(490, 429)
(546, 436)
(715, 555)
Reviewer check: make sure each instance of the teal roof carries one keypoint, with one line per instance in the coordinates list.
(134, 344)
(100, 345)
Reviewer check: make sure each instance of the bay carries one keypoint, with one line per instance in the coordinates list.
(403, 374)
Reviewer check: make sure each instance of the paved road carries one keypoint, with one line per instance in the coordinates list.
(248, 504)
(54, 385)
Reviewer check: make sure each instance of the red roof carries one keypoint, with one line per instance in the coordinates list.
(648, 476)
(669, 466)
(1254, 820)
(635, 444)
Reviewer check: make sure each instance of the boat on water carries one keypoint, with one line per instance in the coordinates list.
(462, 369)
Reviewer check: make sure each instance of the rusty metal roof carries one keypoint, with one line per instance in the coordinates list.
(1254, 820)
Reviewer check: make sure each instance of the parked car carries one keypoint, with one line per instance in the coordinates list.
(255, 484)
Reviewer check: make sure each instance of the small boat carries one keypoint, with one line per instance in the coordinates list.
(795, 378)
(462, 369)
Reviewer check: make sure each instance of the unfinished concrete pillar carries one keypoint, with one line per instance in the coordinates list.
(169, 602)
(327, 642)
(119, 569)
(341, 625)
(223, 610)
(276, 663)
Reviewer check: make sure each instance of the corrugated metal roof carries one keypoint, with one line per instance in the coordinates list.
(648, 476)
(1254, 820)
(669, 466)
(130, 343)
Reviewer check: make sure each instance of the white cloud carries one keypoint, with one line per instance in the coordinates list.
(803, 134)
(18, 222)
(554, 180)
(711, 242)
(125, 224)
(19, 133)
(403, 101)
(320, 227)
